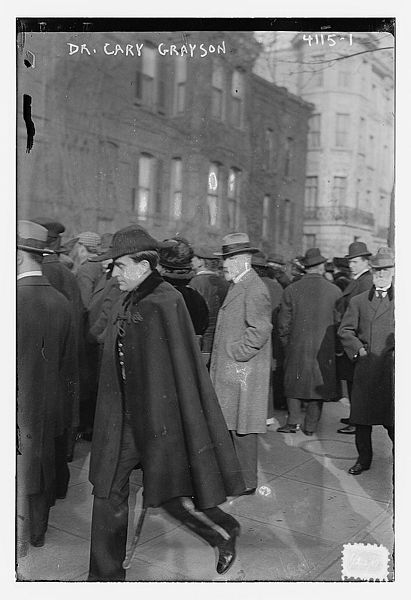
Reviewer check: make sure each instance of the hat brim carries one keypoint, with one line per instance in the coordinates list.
(314, 262)
(358, 255)
(389, 265)
(234, 252)
(35, 250)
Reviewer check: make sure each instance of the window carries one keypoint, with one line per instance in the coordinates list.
(266, 217)
(146, 77)
(317, 77)
(288, 225)
(237, 98)
(289, 147)
(217, 91)
(314, 131)
(309, 241)
(339, 190)
(341, 131)
(233, 198)
(269, 154)
(311, 191)
(176, 189)
(361, 136)
(180, 84)
(143, 195)
(344, 76)
(158, 200)
(213, 194)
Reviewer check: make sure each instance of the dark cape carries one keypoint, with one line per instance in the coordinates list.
(184, 444)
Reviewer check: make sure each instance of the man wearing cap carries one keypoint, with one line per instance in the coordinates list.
(44, 382)
(156, 409)
(241, 356)
(367, 335)
(211, 286)
(361, 281)
(307, 328)
(89, 272)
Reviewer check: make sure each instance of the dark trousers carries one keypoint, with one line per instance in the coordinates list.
(312, 415)
(364, 444)
(246, 448)
(62, 469)
(110, 518)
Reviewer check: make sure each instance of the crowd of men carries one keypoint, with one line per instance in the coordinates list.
(173, 358)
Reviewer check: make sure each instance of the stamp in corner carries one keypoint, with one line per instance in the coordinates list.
(366, 562)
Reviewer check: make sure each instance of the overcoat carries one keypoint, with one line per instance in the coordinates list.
(183, 441)
(241, 357)
(345, 368)
(307, 327)
(44, 378)
(369, 322)
(213, 288)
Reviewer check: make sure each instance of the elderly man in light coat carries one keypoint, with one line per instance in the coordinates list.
(241, 355)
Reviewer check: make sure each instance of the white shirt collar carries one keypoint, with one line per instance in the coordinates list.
(241, 275)
(29, 274)
(362, 273)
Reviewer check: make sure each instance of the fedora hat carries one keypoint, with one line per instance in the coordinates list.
(383, 259)
(236, 243)
(129, 240)
(32, 237)
(277, 259)
(313, 257)
(259, 259)
(357, 249)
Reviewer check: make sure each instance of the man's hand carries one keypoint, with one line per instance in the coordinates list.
(362, 352)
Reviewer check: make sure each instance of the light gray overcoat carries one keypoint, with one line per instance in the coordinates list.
(241, 357)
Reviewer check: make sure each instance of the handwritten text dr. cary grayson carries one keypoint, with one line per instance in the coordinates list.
(190, 50)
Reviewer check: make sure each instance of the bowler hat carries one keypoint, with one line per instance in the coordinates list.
(313, 257)
(129, 240)
(204, 252)
(32, 237)
(357, 249)
(383, 259)
(276, 258)
(236, 243)
(259, 259)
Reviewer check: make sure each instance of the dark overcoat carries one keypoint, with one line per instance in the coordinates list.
(213, 288)
(307, 328)
(185, 447)
(241, 358)
(44, 378)
(345, 368)
(369, 322)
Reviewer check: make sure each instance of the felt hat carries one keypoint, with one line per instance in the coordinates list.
(356, 249)
(90, 239)
(204, 252)
(236, 243)
(32, 237)
(276, 258)
(313, 257)
(177, 256)
(383, 259)
(259, 259)
(129, 240)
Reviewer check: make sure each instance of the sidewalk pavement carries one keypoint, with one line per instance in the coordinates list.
(293, 529)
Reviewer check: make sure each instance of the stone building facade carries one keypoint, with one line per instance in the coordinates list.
(169, 130)
(350, 157)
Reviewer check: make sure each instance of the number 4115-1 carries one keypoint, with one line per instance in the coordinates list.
(330, 38)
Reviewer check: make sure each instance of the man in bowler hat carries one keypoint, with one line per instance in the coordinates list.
(156, 409)
(367, 335)
(307, 328)
(241, 357)
(361, 281)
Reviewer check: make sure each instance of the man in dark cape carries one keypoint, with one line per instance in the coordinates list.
(156, 408)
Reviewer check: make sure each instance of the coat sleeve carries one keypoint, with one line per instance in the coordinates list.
(348, 330)
(258, 326)
(285, 315)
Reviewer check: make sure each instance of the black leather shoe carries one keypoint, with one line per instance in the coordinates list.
(357, 469)
(289, 428)
(226, 552)
(348, 430)
(249, 492)
(345, 420)
(306, 432)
